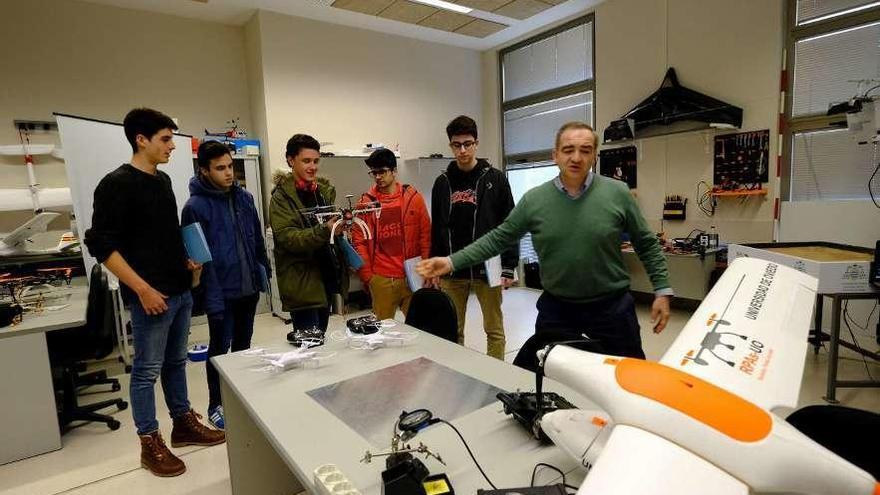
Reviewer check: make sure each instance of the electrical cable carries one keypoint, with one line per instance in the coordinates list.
(549, 466)
(705, 201)
(447, 423)
(856, 343)
(864, 327)
(869, 90)
(871, 189)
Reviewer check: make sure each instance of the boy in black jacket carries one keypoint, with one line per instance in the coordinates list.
(468, 200)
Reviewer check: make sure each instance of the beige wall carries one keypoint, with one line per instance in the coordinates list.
(98, 61)
(729, 50)
(352, 86)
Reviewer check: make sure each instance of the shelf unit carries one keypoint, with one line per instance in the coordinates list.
(740, 192)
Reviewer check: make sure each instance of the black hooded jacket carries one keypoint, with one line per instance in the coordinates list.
(494, 202)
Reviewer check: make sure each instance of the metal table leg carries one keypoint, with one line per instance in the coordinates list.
(830, 395)
(817, 328)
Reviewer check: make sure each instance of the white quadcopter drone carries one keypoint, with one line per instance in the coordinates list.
(349, 216)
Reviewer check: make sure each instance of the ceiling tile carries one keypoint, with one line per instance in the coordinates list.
(446, 20)
(522, 9)
(404, 11)
(480, 28)
(371, 7)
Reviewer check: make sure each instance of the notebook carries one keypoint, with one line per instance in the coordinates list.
(195, 243)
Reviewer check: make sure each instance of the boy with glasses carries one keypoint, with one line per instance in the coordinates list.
(402, 231)
(468, 200)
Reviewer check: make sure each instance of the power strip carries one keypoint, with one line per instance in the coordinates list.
(329, 480)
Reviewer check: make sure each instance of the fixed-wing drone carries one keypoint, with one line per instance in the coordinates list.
(34, 197)
(687, 425)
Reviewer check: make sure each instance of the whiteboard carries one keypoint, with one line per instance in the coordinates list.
(93, 148)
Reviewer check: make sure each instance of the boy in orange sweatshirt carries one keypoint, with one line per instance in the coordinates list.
(402, 231)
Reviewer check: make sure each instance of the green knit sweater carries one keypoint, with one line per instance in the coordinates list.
(577, 240)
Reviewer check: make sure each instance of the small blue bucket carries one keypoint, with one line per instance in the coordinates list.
(198, 353)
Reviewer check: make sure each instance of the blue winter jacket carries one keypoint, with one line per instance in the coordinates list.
(222, 276)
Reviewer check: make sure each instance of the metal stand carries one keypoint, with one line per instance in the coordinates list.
(834, 342)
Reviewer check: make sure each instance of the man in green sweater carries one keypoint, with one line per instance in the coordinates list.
(576, 222)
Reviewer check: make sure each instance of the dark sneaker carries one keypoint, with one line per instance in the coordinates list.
(188, 430)
(157, 459)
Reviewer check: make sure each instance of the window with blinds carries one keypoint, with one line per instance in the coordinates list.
(813, 11)
(834, 56)
(546, 81)
(829, 68)
(828, 166)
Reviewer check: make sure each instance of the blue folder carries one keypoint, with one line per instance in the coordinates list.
(195, 243)
(351, 256)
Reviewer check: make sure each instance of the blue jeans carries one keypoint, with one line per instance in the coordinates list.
(160, 343)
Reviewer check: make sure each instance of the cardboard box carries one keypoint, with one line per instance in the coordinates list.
(840, 268)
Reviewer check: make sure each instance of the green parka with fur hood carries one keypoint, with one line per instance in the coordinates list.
(297, 246)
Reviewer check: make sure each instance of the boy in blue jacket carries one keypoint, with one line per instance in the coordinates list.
(239, 269)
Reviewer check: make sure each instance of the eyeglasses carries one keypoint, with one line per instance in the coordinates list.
(378, 172)
(462, 146)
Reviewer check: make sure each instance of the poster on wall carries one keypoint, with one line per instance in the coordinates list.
(620, 164)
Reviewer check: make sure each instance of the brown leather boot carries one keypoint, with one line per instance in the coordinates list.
(157, 459)
(188, 430)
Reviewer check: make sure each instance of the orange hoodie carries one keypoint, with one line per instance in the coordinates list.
(402, 231)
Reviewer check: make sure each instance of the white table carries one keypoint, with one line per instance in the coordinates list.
(277, 435)
(28, 418)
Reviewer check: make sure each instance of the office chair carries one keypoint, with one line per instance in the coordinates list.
(430, 310)
(850, 433)
(69, 348)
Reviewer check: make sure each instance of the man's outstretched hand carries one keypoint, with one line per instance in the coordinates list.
(434, 267)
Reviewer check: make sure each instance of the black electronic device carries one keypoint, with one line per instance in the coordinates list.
(523, 406)
(8, 313)
(529, 490)
(403, 475)
(620, 164)
(674, 208)
(619, 130)
(364, 325)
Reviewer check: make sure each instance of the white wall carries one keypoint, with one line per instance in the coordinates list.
(729, 50)
(352, 86)
(99, 61)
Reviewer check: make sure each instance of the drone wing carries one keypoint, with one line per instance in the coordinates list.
(635, 462)
(749, 335)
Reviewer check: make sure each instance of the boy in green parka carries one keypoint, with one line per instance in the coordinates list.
(310, 270)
